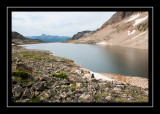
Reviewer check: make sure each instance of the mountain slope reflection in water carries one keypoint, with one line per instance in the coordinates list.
(104, 59)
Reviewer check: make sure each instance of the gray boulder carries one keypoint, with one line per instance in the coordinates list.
(39, 86)
(44, 78)
(86, 97)
(17, 92)
(87, 76)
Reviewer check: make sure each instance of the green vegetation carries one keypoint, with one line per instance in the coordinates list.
(91, 42)
(142, 26)
(21, 74)
(34, 55)
(125, 26)
(35, 100)
(116, 27)
(72, 86)
(98, 96)
(60, 75)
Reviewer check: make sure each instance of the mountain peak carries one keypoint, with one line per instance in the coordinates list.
(43, 35)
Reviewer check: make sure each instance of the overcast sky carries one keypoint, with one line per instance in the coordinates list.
(57, 23)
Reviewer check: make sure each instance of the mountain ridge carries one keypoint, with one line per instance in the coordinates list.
(50, 38)
(127, 29)
(18, 38)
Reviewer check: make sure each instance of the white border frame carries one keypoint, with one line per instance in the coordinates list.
(73, 104)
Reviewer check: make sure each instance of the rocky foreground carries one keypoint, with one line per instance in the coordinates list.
(77, 85)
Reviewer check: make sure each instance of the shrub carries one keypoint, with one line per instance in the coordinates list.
(60, 75)
(21, 74)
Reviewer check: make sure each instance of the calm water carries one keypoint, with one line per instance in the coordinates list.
(106, 59)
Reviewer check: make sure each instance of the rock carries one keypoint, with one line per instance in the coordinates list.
(63, 95)
(65, 82)
(84, 89)
(101, 85)
(87, 76)
(36, 93)
(146, 92)
(69, 99)
(131, 98)
(39, 86)
(27, 94)
(78, 72)
(92, 76)
(47, 94)
(44, 78)
(86, 97)
(116, 18)
(23, 100)
(124, 95)
(117, 90)
(79, 85)
(108, 98)
(71, 79)
(17, 92)
(53, 92)
(42, 99)
(106, 89)
(29, 85)
(120, 86)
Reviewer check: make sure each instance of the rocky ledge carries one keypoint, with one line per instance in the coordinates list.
(76, 85)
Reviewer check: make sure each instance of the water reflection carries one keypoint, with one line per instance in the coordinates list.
(128, 60)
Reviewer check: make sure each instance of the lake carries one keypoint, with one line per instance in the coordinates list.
(104, 59)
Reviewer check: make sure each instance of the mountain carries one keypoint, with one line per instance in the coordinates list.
(17, 38)
(49, 38)
(128, 29)
(82, 34)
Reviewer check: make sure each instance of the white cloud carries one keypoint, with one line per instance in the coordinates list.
(57, 23)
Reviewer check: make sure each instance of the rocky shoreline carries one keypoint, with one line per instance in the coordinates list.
(79, 86)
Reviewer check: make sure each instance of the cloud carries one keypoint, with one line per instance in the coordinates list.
(57, 23)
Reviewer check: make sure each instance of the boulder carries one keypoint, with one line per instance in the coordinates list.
(108, 98)
(29, 85)
(92, 76)
(17, 92)
(39, 86)
(86, 97)
(79, 85)
(27, 94)
(78, 72)
(87, 76)
(101, 85)
(47, 94)
(106, 89)
(120, 86)
(65, 82)
(44, 78)
(117, 90)
(71, 79)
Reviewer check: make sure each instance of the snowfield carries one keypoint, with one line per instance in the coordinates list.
(102, 43)
(133, 17)
(99, 76)
(129, 32)
(137, 21)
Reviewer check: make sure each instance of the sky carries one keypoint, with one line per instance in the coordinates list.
(57, 23)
